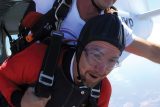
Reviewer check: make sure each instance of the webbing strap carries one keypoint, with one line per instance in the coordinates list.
(50, 62)
(51, 19)
(44, 25)
(46, 77)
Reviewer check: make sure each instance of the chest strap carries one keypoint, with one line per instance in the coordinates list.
(50, 61)
(46, 76)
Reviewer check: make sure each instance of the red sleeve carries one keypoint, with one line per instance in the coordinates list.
(23, 68)
(105, 95)
(6, 88)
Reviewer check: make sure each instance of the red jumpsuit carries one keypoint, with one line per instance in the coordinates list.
(24, 68)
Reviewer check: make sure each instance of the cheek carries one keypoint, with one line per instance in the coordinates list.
(108, 71)
(83, 65)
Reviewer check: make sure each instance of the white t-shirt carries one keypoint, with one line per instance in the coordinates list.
(72, 24)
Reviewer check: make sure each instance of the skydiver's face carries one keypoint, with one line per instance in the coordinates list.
(97, 60)
(103, 4)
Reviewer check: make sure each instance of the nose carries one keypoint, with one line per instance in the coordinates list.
(100, 68)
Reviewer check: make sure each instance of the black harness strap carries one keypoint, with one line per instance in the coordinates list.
(50, 21)
(43, 27)
(50, 62)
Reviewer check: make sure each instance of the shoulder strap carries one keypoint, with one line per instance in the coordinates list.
(49, 65)
(52, 19)
(44, 25)
(50, 61)
(95, 94)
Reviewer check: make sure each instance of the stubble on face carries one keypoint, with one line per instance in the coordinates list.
(86, 73)
(90, 80)
(92, 74)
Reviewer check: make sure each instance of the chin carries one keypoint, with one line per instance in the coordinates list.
(90, 85)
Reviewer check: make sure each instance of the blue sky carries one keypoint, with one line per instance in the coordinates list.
(136, 82)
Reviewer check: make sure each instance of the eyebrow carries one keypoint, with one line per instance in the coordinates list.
(98, 50)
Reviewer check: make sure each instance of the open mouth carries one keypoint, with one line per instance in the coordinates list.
(93, 76)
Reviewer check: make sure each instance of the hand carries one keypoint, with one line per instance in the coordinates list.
(31, 100)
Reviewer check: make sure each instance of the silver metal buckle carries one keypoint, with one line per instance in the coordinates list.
(42, 76)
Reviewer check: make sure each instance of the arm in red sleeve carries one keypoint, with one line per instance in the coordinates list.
(6, 88)
(23, 68)
(105, 95)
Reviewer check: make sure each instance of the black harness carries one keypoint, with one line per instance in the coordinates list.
(64, 92)
(42, 28)
(52, 80)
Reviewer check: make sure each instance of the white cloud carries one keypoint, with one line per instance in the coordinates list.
(128, 104)
(116, 76)
(119, 78)
(145, 104)
(151, 102)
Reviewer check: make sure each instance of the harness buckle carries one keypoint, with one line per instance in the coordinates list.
(45, 79)
(95, 93)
